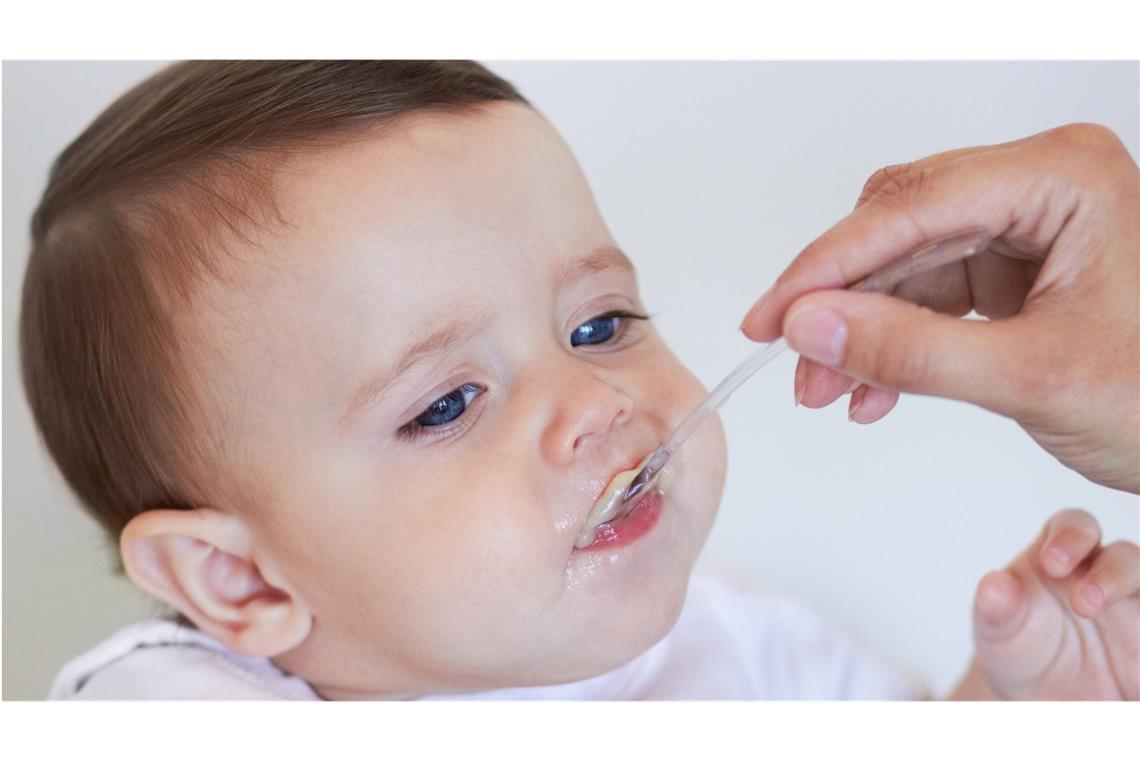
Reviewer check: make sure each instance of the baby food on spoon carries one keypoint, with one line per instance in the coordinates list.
(609, 504)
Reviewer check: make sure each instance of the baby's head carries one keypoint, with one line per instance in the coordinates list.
(344, 353)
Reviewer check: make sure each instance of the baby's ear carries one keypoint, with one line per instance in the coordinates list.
(200, 562)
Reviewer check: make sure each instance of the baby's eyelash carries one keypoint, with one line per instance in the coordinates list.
(623, 314)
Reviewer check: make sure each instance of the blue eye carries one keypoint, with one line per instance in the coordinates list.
(597, 330)
(446, 408)
(602, 328)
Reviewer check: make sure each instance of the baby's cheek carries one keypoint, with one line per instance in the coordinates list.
(706, 458)
(673, 390)
(490, 585)
(675, 393)
(495, 537)
(700, 463)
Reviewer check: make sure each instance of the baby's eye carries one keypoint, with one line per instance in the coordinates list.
(447, 408)
(439, 413)
(602, 328)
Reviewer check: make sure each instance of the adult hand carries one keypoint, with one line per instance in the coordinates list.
(1060, 284)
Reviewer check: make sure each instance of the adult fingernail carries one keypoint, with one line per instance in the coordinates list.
(799, 384)
(817, 333)
(856, 402)
(746, 323)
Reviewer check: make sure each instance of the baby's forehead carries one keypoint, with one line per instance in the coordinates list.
(424, 160)
(432, 200)
(448, 213)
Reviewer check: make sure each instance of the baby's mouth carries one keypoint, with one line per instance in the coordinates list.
(609, 504)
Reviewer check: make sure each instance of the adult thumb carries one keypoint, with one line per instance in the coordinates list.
(894, 344)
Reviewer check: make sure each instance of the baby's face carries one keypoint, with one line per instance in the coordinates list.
(415, 373)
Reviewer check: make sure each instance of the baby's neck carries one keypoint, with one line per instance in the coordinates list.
(294, 664)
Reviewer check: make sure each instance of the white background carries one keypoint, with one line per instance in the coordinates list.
(711, 176)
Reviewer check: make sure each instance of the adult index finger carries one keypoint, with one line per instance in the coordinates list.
(980, 189)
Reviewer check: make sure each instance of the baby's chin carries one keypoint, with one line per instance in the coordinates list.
(645, 633)
(617, 629)
(606, 647)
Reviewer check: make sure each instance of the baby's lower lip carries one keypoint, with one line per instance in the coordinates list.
(631, 527)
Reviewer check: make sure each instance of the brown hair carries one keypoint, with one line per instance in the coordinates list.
(131, 215)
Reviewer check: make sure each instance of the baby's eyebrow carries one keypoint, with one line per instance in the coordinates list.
(602, 258)
(455, 331)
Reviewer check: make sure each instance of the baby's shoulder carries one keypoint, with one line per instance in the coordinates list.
(159, 659)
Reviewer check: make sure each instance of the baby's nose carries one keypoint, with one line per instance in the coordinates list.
(586, 409)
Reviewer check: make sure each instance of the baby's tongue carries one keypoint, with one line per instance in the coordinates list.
(609, 504)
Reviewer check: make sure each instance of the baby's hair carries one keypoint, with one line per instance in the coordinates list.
(135, 211)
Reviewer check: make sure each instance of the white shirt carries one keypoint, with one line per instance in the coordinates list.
(726, 644)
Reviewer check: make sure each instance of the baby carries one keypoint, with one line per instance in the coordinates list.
(344, 354)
